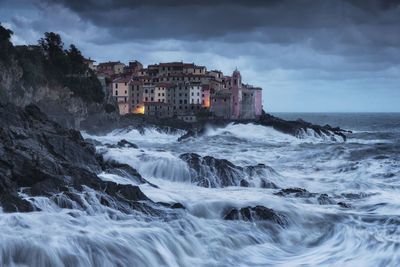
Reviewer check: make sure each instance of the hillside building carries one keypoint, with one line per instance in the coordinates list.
(185, 91)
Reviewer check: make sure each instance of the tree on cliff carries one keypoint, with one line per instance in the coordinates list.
(48, 64)
(5, 44)
(52, 47)
(68, 68)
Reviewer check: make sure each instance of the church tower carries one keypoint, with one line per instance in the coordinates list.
(236, 83)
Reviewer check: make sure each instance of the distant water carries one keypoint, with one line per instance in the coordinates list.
(357, 222)
(355, 121)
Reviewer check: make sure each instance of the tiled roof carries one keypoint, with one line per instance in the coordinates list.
(125, 79)
(109, 63)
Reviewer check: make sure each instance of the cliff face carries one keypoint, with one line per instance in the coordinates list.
(57, 101)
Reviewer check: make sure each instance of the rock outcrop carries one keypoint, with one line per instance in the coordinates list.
(257, 213)
(299, 127)
(212, 172)
(38, 157)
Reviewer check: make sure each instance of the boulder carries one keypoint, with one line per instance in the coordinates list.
(257, 213)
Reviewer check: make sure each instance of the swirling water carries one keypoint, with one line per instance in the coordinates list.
(363, 174)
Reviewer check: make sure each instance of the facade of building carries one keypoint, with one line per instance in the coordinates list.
(122, 93)
(111, 68)
(158, 109)
(182, 90)
(240, 102)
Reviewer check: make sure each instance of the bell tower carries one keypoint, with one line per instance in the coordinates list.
(236, 83)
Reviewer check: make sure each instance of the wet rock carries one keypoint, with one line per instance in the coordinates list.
(344, 205)
(244, 183)
(268, 184)
(93, 142)
(295, 192)
(123, 170)
(172, 206)
(257, 213)
(124, 143)
(46, 159)
(295, 128)
(324, 199)
(178, 206)
(212, 172)
(13, 203)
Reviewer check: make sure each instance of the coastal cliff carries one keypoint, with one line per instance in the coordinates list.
(54, 79)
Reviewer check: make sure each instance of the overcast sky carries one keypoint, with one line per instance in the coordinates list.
(312, 56)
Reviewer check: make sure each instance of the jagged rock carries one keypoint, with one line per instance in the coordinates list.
(324, 199)
(45, 159)
(244, 183)
(257, 213)
(125, 170)
(172, 206)
(295, 128)
(212, 172)
(124, 143)
(296, 192)
(344, 205)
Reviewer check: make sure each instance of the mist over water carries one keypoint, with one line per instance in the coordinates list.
(350, 216)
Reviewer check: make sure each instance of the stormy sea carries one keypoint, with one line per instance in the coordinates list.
(241, 195)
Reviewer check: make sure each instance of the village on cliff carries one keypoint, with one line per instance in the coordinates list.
(181, 90)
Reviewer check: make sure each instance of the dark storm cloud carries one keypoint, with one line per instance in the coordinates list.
(307, 54)
(339, 26)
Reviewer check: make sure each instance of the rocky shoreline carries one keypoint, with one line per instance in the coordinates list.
(171, 125)
(38, 157)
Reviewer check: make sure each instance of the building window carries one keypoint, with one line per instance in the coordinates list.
(185, 101)
(192, 94)
(126, 92)
(146, 99)
(152, 99)
(159, 94)
(125, 99)
(116, 92)
(116, 85)
(152, 91)
(125, 84)
(146, 91)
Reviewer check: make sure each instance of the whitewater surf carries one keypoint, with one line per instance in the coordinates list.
(244, 195)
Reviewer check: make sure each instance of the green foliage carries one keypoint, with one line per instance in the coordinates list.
(48, 62)
(32, 63)
(6, 47)
(89, 88)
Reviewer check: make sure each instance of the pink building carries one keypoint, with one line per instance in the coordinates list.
(238, 101)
